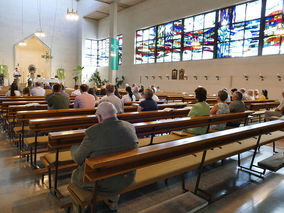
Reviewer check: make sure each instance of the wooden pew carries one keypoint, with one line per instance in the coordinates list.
(263, 105)
(62, 140)
(155, 163)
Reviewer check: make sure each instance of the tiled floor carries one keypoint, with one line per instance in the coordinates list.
(231, 190)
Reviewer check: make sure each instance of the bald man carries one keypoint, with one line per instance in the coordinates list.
(110, 135)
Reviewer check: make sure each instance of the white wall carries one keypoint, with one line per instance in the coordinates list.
(64, 40)
(152, 12)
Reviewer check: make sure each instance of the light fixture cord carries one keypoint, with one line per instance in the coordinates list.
(54, 22)
(39, 13)
(22, 18)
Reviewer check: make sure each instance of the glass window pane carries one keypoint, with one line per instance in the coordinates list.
(169, 29)
(223, 50)
(273, 7)
(152, 51)
(236, 48)
(160, 43)
(251, 47)
(168, 56)
(186, 54)
(252, 29)
(207, 52)
(210, 20)
(197, 53)
(145, 35)
(177, 43)
(160, 56)
(152, 33)
(271, 24)
(198, 22)
(188, 24)
(282, 46)
(224, 16)
(253, 10)
(187, 39)
(224, 33)
(139, 35)
(168, 44)
(209, 35)
(239, 13)
(237, 31)
(176, 54)
(271, 45)
(177, 27)
(161, 31)
(139, 50)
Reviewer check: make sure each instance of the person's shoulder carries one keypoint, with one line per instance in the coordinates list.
(92, 130)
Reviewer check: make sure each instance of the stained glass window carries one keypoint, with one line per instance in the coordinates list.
(90, 58)
(273, 21)
(237, 33)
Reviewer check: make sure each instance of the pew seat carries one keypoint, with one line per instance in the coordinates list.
(64, 158)
(18, 129)
(171, 168)
(41, 140)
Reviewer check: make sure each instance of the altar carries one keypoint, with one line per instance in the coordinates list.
(46, 80)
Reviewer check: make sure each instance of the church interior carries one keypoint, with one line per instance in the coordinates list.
(142, 106)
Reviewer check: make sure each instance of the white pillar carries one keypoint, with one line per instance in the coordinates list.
(112, 34)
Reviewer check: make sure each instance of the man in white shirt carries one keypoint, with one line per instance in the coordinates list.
(38, 90)
(76, 92)
(245, 95)
(277, 112)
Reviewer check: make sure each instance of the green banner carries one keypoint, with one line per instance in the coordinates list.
(4, 70)
(61, 73)
(114, 54)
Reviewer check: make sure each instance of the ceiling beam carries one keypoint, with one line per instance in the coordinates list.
(119, 4)
(98, 11)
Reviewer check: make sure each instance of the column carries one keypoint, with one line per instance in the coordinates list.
(112, 34)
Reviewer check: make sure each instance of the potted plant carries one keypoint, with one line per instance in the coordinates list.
(119, 82)
(78, 74)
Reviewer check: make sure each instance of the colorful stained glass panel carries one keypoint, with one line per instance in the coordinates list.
(223, 50)
(198, 22)
(152, 33)
(253, 10)
(239, 13)
(251, 47)
(273, 7)
(236, 48)
(210, 20)
(224, 16)
(169, 29)
(271, 24)
(161, 31)
(139, 35)
(177, 27)
(271, 45)
(237, 31)
(188, 24)
(252, 29)
(186, 54)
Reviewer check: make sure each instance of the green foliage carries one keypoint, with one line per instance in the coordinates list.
(97, 79)
(119, 82)
(77, 73)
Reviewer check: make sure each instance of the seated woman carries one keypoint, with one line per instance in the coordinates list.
(129, 97)
(136, 93)
(199, 109)
(220, 108)
(250, 95)
(148, 104)
(13, 91)
(264, 95)
(26, 91)
(256, 94)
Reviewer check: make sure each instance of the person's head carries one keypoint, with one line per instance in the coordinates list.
(13, 88)
(222, 95)
(148, 93)
(135, 89)
(84, 88)
(16, 68)
(129, 91)
(91, 91)
(234, 90)
(57, 88)
(243, 90)
(110, 89)
(250, 92)
(76, 87)
(30, 82)
(38, 84)
(105, 110)
(256, 92)
(201, 94)
(237, 96)
(26, 91)
(265, 93)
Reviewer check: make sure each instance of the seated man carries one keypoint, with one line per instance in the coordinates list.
(199, 109)
(279, 111)
(148, 104)
(237, 105)
(57, 100)
(85, 100)
(110, 135)
(76, 91)
(110, 97)
(38, 90)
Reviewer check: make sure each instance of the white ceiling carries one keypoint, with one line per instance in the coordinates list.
(102, 7)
